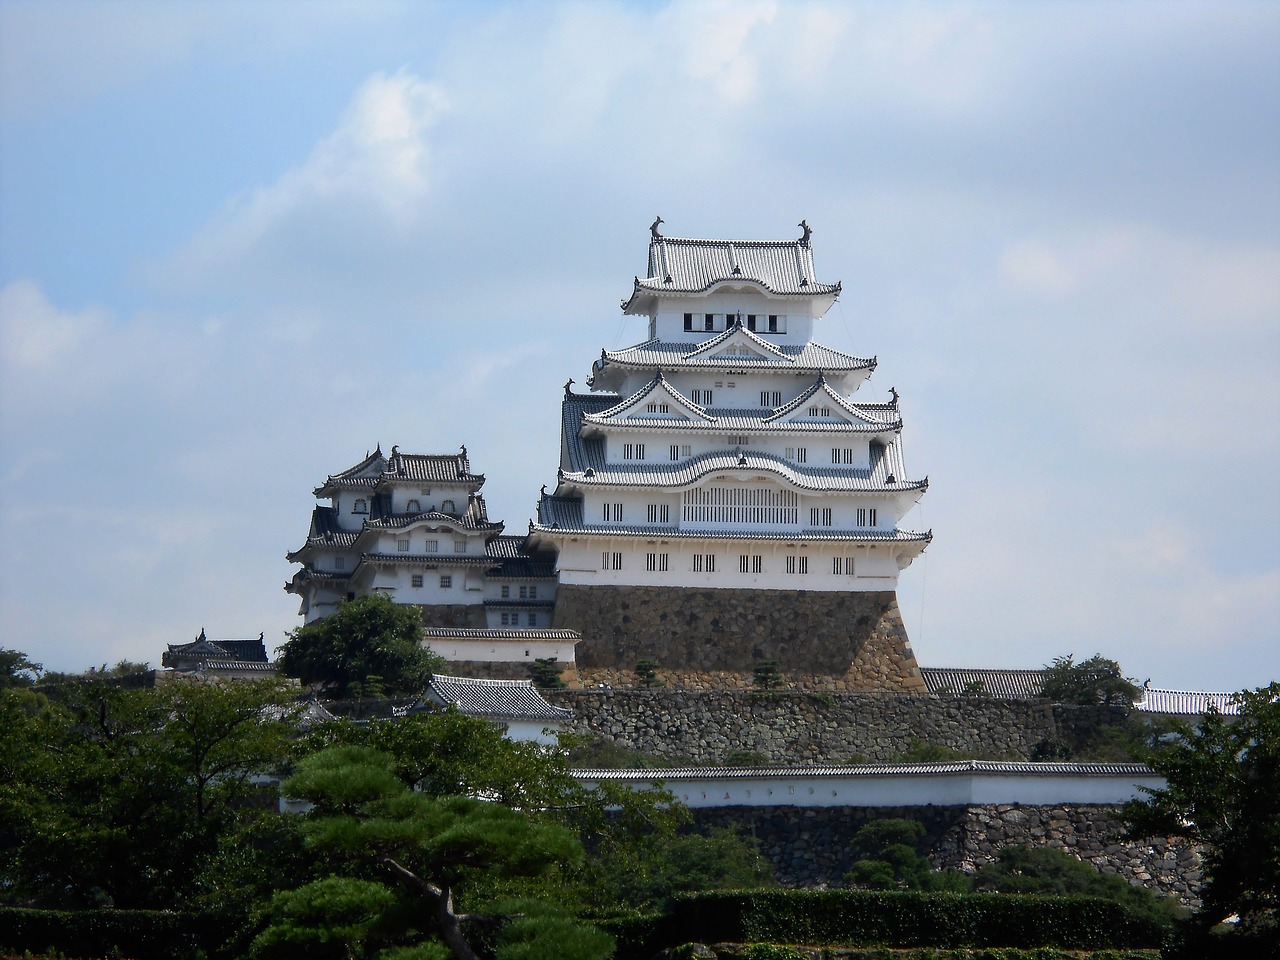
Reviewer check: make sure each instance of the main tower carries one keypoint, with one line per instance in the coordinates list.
(721, 498)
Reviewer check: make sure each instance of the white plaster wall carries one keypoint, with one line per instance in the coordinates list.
(668, 321)
(917, 790)
(875, 566)
(503, 651)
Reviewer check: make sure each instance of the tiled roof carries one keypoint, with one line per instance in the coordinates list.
(784, 268)
(472, 633)
(808, 357)
(1024, 768)
(427, 559)
(499, 699)
(399, 521)
(564, 515)
(228, 666)
(504, 548)
(376, 469)
(1006, 684)
(1186, 702)
(874, 418)
(207, 650)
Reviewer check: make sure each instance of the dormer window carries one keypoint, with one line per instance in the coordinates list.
(414, 506)
(360, 506)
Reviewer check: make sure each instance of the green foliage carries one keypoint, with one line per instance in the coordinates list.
(1223, 791)
(1044, 870)
(766, 675)
(112, 796)
(545, 674)
(333, 917)
(647, 674)
(141, 934)
(1096, 680)
(683, 863)
(886, 857)
(368, 647)
(864, 917)
(16, 670)
(745, 758)
(431, 849)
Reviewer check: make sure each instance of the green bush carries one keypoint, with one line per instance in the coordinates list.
(863, 917)
(139, 934)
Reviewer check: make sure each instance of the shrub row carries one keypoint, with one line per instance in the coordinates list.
(141, 934)
(866, 918)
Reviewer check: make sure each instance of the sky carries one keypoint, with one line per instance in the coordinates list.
(242, 243)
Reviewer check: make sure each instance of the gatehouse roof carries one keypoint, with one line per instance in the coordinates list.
(497, 699)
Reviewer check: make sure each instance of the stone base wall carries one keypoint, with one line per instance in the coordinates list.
(469, 615)
(790, 727)
(713, 639)
(809, 846)
(506, 670)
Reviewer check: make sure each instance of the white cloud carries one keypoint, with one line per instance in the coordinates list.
(34, 335)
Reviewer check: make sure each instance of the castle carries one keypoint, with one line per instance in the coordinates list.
(722, 500)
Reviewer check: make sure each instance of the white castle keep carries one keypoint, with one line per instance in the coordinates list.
(722, 499)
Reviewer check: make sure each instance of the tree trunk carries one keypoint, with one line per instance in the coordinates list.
(440, 900)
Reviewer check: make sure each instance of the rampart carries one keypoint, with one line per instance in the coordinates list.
(713, 639)
(794, 727)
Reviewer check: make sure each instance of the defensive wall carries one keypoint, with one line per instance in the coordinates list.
(796, 727)
(809, 846)
(713, 639)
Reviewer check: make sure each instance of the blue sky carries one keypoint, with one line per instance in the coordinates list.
(240, 244)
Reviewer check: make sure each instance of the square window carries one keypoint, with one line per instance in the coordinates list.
(433, 546)
(402, 546)
(415, 580)
(459, 546)
(446, 581)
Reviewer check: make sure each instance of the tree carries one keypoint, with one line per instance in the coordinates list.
(369, 647)
(766, 675)
(118, 796)
(1223, 791)
(16, 670)
(886, 857)
(1092, 681)
(545, 673)
(1044, 870)
(423, 851)
(647, 673)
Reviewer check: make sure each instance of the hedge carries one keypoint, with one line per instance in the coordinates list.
(908, 919)
(138, 934)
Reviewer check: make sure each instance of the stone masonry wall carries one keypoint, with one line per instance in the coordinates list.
(810, 846)
(713, 639)
(790, 727)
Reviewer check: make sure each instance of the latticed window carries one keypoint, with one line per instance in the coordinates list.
(403, 545)
(704, 563)
(446, 581)
(740, 505)
(413, 506)
(433, 546)
(796, 564)
(633, 451)
(866, 516)
(842, 566)
(842, 455)
(611, 560)
(658, 513)
(415, 580)
(657, 562)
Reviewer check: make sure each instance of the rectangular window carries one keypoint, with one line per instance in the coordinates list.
(804, 564)
(402, 546)
(415, 580)
(611, 561)
(773, 323)
(617, 512)
(826, 516)
(813, 516)
(708, 321)
(740, 440)
(675, 452)
(866, 516)
(506, 591)
(688, 321)
(842, 455)
(791, 564)
(751, 321)
(770, 398)
(686, 450)
(633, 451)
(802, 454)
(750, 563)
(459, 546)
(446, 581)
(433, 546)
(811, 412)
(339, 563)
(704, 563)
(524, 593)
(658, 513)
(533, 593)
(657, 562)
(533, 619)
(701, 397)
